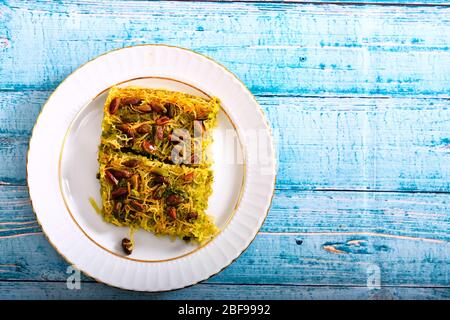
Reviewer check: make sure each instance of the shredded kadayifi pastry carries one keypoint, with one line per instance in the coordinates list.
(154, 163)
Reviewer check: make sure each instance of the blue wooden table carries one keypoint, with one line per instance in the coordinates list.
(358, 95)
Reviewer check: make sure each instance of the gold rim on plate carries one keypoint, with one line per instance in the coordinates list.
(66, 202)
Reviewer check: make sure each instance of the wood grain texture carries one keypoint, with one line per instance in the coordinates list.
(58, 290)
(274, 48)
(387, 214)
(309, 238)
(415, 216)
(13, 160)
(323, 143)
(365, 144)
(19, 111)
(338, 2)
(363, 2)
(325, 259)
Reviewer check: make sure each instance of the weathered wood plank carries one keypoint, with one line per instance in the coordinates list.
(274, 48)
(16, 215)
(58, 290)
(323, 143)
(312, 238)
(372, 144)
(320, 259)
(19, 111)
(384, 213)
(380, 2)
(392, 214)
(13, 160)
(345, 2)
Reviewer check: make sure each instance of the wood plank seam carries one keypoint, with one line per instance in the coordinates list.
(330, 2)
(337, 2)
(87, 281)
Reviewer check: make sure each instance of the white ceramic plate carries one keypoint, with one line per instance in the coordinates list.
(62, 164)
